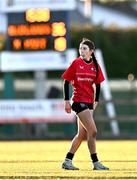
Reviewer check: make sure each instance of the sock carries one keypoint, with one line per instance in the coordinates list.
(69, 156)
(94, 157)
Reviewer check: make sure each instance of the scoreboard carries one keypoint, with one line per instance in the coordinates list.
(37, 29)
(38, 39)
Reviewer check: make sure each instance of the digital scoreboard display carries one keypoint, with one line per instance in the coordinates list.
(37, 29)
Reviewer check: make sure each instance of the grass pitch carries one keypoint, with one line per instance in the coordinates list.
(42, 160)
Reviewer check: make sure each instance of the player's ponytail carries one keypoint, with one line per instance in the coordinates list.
(96, 64)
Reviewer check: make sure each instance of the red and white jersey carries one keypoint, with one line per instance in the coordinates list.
(82, 75)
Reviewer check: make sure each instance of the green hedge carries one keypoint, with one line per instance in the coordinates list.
(119, 48)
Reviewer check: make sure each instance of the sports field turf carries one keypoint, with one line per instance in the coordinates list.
(42, 160)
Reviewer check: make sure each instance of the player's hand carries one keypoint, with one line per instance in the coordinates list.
(95, 104)
(67, 107)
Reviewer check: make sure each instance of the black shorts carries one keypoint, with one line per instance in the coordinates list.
(80, 106)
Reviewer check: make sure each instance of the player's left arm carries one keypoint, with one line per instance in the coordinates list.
(97, 94)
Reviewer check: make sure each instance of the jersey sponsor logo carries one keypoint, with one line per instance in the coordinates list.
(84, 79)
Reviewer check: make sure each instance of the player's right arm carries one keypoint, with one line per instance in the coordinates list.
(66, 96)
(68, 76)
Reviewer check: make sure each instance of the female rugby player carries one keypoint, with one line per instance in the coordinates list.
(83, 74)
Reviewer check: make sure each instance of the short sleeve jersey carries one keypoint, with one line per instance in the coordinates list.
(82, 75)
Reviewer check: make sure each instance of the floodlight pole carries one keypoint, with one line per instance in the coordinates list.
(87, 8)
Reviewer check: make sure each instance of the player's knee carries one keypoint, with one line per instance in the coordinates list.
(94, 133)
(80, 136)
